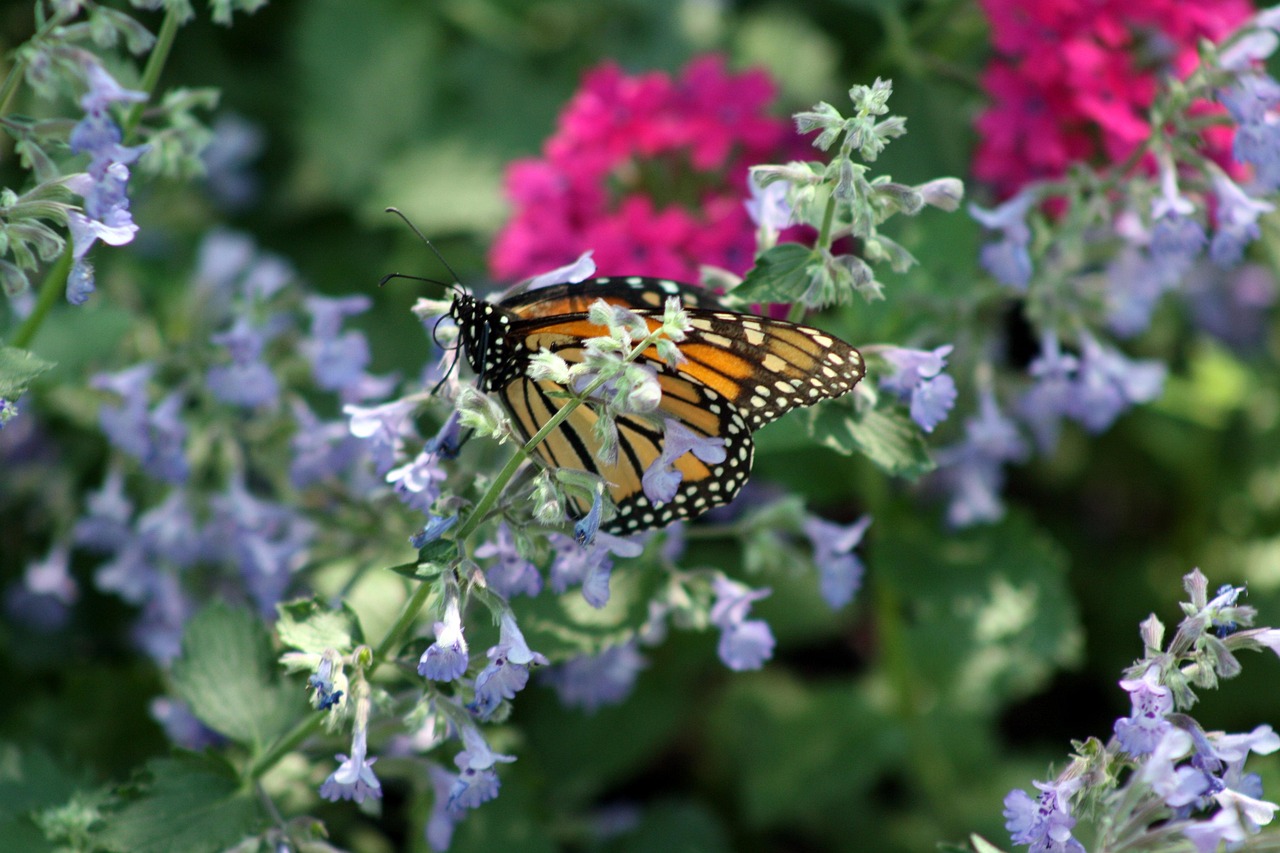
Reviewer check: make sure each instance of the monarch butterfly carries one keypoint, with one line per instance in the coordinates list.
(739, 372)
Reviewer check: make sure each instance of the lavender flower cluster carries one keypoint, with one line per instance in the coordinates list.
(1181, 232)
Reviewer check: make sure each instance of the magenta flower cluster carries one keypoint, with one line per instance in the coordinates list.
(648, 171)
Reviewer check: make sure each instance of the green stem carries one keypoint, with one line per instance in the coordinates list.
(10, 86)
(407, 614)
(285, 745)
(55, 283)
(926, 756)
(155, 64)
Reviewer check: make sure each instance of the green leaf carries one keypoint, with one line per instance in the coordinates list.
(18, 368)
(441, 551)
(309, 625)
(887, 437)
(29, 781)
(189, 802)
(993, 615)
(227, 674)
(780, 275)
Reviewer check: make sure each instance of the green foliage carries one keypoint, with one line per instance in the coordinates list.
(18, 369)
(311, 626)
(188, 802)
(227, 674)
(884, 435)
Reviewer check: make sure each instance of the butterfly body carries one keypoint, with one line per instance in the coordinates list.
(738, 373)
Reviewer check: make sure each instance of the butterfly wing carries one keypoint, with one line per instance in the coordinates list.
(573, 445)
(636, 292)
(739, 372)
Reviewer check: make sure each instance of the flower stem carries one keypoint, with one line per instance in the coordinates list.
(155, 64)
(54, 284)
(10, 86)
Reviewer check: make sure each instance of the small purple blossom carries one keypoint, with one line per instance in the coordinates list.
(103, 187)
(1043, 823)
(662, 479)
(417, 482)
(477, 781)
(247, 381)
(1146, 725)
(579, 270)
(1108, 383)
(321, 450)
(338, 359)
(1043, 406)
(839, 569)
(1252, 101)
(511, 574)
(42, 599)
(443, 819)
(508, 669)
(972, 471)
(768, 208)
(1238, 215)
(384, 428)
(745, 644)
(446, 659)
(354, 779)
(1008, 260)
(266, 540)
(917, 376)
(586, 528)
(590, 682)
(589, 565)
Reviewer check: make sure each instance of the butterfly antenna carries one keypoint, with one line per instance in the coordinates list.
(428, 243)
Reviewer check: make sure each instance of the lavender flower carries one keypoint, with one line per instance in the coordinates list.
(106, 206)
(1108, 383)
(1141, 731)
(338, 359)
(839, 569)
(511, 574)
(508, 669)
(354, 779)
(1043, 823)
(661, 479)
(1008, 260)
(446, 658)
(477, 782)
(917, 376)
(972, 471)
(1238, 215)
(590, 682)
(1043, 406)
(744, 643)
(247, 381)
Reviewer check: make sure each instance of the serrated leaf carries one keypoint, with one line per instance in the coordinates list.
(189, 802)
(309, 625)
(441, 551)
(227, 675)
(887, 437)
(780, 275)
(18, 368)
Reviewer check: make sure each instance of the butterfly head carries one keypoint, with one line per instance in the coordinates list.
(483, 333)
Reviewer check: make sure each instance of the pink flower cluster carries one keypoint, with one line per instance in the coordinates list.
(1072, 80)
(648, 171)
